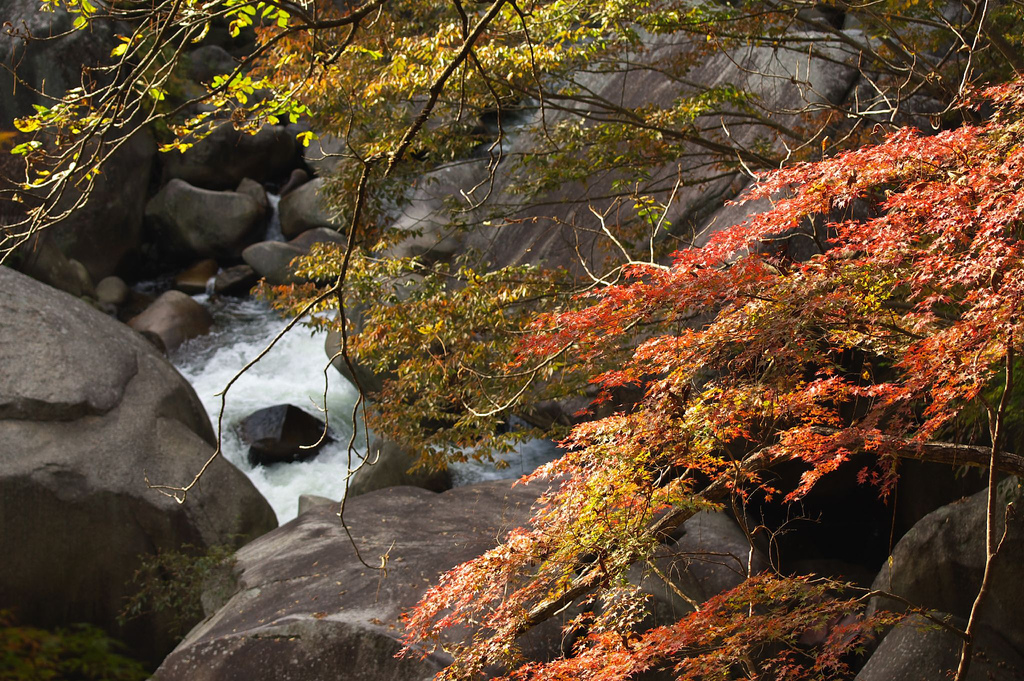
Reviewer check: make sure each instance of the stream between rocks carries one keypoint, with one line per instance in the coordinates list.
(293, 373)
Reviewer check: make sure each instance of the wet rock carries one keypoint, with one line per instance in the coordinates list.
(272, 261)
(199, 222)
(88, 410)
(174, 318)
(307, 608)
(304, 209)
(235, 281)
(195, 278)
(280, 434)
(388, 464)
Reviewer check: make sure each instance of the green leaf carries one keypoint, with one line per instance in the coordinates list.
(80, 23)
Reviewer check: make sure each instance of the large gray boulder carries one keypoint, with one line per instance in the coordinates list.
(52, 66)
(304, 208)
(307, 608)
(272, 261)
(199, 222)
(88, 412)
(918, 649)
(388, 464)
(939, 565)
(107, 230)
(226, 156)
(711, 555)
(104, 232)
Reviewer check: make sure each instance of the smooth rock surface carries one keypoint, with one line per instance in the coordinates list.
(306, 608)
(939, 565)
(195, 222)
(280, 434)
(712, 555)
(174, 318)
(272, 261)
(255, 190)
(112, 291)
(388, 464)
(88, 410)
(107, 232)
(318, 235)
(919, 650)
(304, 208)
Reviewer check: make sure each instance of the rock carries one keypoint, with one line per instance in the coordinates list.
(303, 209)
(52, 63)
(919, 650)
(195, 278)
(112, 291)
(388, 464)
(208, 61)
(318, 235)
(322, 153)
(307, 608)
(88, 410)
(254, 189)
(84, 280)
(43, 261)
(174, 318)
(279, 434)
(298, 178)
(711, 556)
(272, 261)
(200, 222)
(368, 380)
(105, 234)
(235, 281)
(939, 564)
(307, 502)
(226, 156)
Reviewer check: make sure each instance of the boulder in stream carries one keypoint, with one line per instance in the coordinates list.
(282, 434)
(194, 222)
(304, 208)
(173, 318)
(388, 464)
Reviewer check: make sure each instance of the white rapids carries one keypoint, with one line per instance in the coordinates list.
(293, 373)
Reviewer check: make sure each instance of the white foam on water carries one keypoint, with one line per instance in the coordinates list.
(293, 373)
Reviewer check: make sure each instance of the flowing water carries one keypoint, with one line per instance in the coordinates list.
(293, 373)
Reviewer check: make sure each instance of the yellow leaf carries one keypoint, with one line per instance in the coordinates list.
(27, 124)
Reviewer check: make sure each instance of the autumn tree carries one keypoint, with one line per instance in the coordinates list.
(904, 331)
(895, 328)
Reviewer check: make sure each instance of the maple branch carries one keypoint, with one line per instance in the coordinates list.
(939, 452)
